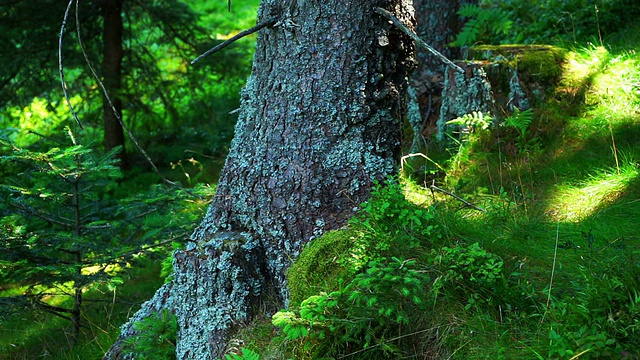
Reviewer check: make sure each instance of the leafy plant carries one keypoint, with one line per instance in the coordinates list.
(389, 225)
(364, 314)
(473, 120)
(501, 207)
(521, 120)
(602, 319)
(468, 270)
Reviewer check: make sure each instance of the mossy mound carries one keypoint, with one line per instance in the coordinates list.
(543, 63)
(320, 266)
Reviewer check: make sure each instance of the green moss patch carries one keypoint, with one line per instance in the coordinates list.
(320, 267)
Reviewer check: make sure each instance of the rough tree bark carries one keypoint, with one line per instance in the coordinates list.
(320, 120)
(112, 70)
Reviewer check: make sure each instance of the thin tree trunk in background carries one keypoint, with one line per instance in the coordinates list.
(112, 72)
(320, 120)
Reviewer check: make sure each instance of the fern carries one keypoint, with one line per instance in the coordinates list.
(483, 25)
(473, 120)
(520, 120)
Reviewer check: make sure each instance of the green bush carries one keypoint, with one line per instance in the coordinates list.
(365, 315)
(357, 288)
(389, 225)
(469, 271)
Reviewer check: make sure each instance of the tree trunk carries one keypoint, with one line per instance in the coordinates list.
(112, 72)
(320, 120)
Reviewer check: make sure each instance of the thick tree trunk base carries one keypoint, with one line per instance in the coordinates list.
(319, 123)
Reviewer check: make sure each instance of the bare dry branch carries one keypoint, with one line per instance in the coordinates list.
(239, 36)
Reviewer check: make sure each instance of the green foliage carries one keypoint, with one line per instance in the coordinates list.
(483, 24)
(501, 207)
(365, 314)
(155, 338)
(474, 120)
(246, 354)
(171, 107)
(355, 288)
(469, 271)
(603, 319)
(389, 225)
(521, 120)
(62, 232)
(56, 225)
(566, 20)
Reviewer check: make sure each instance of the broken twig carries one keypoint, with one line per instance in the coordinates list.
(61, 68)
(465, 202)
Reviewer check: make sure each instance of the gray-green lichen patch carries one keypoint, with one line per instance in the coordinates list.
(517, 97)
(217, 291)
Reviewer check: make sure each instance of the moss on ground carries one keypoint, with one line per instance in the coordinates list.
(320, 265)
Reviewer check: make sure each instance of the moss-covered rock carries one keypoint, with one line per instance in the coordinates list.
(320, 266)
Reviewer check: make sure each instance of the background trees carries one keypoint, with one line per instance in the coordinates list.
(147, 61)
(61, 242)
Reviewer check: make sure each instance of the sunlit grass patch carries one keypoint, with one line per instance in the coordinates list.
(617, 90)
(574, 202)
(583, 63)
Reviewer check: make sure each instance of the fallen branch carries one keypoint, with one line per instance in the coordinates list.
(417, 39)
(465, 202)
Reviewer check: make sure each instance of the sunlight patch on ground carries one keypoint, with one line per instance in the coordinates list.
(617, 89)
(577, 202)
(584, 63)
(416, 193)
